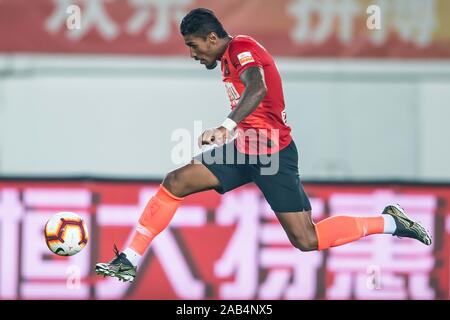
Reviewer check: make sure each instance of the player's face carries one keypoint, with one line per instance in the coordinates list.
(203, 50)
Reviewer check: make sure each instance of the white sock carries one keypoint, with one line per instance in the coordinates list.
(389, 224)
(132, 256)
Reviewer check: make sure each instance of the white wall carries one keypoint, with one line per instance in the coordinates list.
(115, 116)
(434, 130)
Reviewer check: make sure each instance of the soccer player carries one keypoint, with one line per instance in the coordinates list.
(261, 151)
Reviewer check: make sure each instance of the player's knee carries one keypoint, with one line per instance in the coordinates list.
(304, 242)
(174, 183)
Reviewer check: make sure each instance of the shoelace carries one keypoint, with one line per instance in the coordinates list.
(116, 251)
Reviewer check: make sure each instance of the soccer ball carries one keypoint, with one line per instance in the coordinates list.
(66, 233)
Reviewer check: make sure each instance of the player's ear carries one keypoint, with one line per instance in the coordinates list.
(212, 37)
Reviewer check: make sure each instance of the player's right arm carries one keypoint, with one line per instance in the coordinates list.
(254, 93)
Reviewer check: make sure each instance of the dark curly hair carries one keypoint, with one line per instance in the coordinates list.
(201, 22)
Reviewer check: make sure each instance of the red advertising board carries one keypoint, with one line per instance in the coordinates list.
(220, 247)
(296, 28)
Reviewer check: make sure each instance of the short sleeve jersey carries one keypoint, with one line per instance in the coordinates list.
(264, 131)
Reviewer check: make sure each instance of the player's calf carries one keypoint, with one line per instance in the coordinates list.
(300, 229)
(304, 242)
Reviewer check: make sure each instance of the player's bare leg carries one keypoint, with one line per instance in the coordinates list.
(191, 178)
(299, 228)
(339, 230)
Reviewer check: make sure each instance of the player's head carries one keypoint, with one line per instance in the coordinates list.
(202, 33)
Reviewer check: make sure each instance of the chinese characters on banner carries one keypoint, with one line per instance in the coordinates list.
(302, 28)
(220, 247)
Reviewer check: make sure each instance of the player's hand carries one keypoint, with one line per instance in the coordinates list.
(216, 136)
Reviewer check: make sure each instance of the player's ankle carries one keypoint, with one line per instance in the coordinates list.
(132, 256)
(389, 224)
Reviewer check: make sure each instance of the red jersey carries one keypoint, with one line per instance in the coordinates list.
(264, 131)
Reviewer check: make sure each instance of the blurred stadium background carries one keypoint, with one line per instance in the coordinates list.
(87, 123)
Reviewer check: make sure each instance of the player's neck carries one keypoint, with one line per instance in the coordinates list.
(224, 45)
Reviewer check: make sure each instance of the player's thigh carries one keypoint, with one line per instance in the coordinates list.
(191, 178)
(284, 192)
(282, 187)
(225, 164)
(215, 169)
(286, 196)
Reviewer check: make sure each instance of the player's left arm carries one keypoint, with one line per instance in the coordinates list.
(254, 93)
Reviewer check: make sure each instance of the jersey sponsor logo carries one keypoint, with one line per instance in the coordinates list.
(283, 116)
(233, 94)
(245, 57)
(226, 68)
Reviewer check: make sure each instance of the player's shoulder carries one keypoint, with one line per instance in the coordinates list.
(243, 40)
(243, 46)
